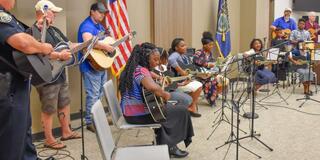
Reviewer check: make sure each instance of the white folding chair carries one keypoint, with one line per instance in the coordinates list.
(117, 116)
(108, 148)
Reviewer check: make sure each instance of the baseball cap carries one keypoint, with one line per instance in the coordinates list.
(99, 7)
(288, 9)
(42, 3)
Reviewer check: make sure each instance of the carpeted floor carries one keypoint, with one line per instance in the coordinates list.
(292, 132)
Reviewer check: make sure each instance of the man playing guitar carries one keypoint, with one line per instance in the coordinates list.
(93, 79)
(54, 94)
(312, 26)
(285, 23)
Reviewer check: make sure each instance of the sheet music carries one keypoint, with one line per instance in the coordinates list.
(317, 55)
(229, 61)
(273, 54)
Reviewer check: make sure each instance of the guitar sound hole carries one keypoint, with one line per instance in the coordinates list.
(111, 54)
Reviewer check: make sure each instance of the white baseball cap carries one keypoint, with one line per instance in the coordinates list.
(42, 3)
(288, 9)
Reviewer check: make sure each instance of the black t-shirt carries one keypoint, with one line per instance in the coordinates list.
(53, 36)
(9, 26)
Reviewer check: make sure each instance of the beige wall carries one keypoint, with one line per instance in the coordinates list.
(203, 19)
(140, 19)
(204, 16)
(172, 19)
(262, 19)
(248, 23)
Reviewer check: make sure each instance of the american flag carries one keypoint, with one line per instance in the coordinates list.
(118, 23)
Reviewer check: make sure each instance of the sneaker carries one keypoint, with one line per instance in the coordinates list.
(194, 114)
(91, 128)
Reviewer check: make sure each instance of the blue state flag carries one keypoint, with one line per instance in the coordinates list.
(223, 40)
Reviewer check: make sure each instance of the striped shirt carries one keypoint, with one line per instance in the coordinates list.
(132, 101)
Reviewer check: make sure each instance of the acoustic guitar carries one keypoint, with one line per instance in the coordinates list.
(286, 33)
(37, 65)
(313, 33)
(154, 104)
(101, 60)
(57, 66)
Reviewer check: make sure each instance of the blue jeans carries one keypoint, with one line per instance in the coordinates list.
(93, 83)
(182, 99)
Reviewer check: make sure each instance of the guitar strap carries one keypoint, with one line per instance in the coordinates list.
(35, 32)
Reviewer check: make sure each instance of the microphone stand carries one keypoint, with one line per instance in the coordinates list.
(267, 90)
(89, 49)
(276, 89)
(307, 96)
(253, 134)
(222, 116)
(232, 137)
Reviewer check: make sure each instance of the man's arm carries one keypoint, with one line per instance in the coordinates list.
(87, 36)
(28, 45)
(274, 25)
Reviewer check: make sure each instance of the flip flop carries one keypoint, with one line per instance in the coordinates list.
(74, 135)
(54, 145)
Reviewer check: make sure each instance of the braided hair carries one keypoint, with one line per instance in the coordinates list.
(139, 56)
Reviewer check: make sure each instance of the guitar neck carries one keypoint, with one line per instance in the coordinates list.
(175, 79)
(80, 46)
(118, 42)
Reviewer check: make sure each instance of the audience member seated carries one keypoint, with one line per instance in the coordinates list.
(177, 57)
(204, 58)
(178, 125)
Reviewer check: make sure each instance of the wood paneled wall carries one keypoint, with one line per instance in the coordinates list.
(172, 18)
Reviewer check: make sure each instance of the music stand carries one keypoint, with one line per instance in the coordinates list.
(222, 116)
(234, 139)
(253, 134)
(273, 55)
(307, 96)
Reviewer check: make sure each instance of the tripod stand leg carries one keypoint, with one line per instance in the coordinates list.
(263, 143)
(215, 120)
(215, 128)
(262, 105)
(282, 98)
(249, 151)
(225, 155)
(314, 100)
(227, 142)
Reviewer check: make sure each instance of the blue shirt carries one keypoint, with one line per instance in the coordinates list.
(94, 28)
(282, 24)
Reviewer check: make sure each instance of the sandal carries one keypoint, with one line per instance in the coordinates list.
(74, 135)
(54, 145)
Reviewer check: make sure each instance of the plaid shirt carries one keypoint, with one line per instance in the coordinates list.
(300, 35)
